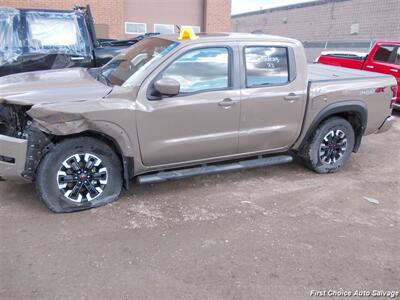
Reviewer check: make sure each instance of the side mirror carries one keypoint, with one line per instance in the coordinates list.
(167, 86)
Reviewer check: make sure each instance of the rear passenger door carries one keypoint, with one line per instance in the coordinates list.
(273, 96)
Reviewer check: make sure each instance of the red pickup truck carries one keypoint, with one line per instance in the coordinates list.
(384, 57)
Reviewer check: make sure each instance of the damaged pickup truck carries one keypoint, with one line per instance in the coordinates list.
(174, 107)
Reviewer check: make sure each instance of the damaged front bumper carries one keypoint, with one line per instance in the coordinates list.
(13, 153)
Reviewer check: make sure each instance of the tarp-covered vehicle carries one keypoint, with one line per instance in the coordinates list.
(37, 39)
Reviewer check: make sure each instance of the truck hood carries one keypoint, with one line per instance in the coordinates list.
(51, 86)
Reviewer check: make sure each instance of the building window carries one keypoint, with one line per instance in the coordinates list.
(164, 28)
(196, 29)
(135, 28)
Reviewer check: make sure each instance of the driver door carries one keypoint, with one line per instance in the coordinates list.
(202, 121)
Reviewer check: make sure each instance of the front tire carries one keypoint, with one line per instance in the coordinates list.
(330, 146)
(78, 174)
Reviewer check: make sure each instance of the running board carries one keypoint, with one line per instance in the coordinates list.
(214, 169)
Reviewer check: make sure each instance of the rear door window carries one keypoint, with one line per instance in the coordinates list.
(266, 66)
(384, 53)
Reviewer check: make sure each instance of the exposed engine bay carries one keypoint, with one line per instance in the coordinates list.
(14, 122)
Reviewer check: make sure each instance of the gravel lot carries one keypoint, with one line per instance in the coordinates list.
(272, 233)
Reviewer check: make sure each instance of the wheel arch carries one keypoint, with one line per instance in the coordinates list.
(354, 111)
(126, 161)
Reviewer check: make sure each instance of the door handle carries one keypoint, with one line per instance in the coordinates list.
(77, 58)
(394, 70)
(226, 103)
(370, 67)
(292, 97)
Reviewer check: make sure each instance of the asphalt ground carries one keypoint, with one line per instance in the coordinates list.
(270, 233)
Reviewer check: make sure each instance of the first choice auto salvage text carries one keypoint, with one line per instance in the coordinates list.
(355, 293)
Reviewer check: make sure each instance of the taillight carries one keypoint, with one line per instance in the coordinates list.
(394, 98)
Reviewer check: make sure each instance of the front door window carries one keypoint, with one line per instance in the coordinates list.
(201, 70)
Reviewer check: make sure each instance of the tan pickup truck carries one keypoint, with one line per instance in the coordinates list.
(170, 108)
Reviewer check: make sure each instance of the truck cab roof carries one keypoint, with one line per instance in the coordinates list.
(230, 36)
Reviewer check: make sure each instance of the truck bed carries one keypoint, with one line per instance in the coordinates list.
(330, 85)
(320, 72)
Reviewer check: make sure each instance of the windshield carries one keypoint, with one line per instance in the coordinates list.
(138, 57)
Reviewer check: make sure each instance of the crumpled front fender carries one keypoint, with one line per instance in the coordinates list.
(70, 119)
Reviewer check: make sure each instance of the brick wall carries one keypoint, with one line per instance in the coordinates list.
(217, 15)
(377, 19)
(328, 21)
(110, 15)
(108, 12)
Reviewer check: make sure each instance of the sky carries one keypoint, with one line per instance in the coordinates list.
(242, 6)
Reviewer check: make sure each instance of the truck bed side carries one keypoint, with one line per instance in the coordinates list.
(333, 88)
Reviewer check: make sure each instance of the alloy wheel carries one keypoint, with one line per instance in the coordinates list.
(333, 147)
(82, 177)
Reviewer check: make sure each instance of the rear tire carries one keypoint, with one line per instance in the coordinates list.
(79, 174)
(330, 146)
